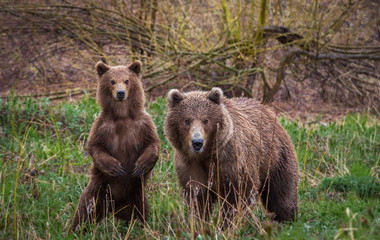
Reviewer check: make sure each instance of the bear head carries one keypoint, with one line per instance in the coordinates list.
(120, 87)
(197, 120)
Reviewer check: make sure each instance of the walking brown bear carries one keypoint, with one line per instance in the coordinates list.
(233, 148)
(124, 146)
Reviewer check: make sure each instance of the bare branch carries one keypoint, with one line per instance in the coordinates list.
(323, 56)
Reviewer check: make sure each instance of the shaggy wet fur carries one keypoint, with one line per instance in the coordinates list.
(124, 147)
(246, 153)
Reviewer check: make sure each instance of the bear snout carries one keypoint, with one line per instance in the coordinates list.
(197, 137)
(197, 144)
(120, 94)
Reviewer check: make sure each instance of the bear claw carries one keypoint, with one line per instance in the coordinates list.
(137, 172)
(121, 171)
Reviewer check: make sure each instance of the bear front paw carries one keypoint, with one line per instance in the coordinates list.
(137, 171)
(142, 168)
(116, 170)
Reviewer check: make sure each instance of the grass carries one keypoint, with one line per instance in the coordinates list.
(44, 167)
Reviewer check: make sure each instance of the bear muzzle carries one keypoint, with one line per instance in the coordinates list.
(197, 145)
(120, 95)
(197, 137)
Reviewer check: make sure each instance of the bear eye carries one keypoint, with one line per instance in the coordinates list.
(187, 121)
(126, 81)
(205, 121)
(113, 82)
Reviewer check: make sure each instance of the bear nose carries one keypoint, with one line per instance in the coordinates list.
(197, 144)
(120, 94)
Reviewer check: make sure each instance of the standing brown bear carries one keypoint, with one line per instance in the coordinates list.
(124, 146)
(233, 148)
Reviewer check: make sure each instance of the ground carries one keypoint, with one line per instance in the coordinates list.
(44, 153)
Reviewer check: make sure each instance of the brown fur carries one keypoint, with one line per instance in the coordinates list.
(242, 140)
(124, 146)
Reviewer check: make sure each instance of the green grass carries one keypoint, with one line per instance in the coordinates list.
(42, 149)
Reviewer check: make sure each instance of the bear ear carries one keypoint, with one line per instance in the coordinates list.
(215, 95)
(135, 67)
(101, 68)
(174, 97)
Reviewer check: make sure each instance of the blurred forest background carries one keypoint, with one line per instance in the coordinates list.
(316, 56)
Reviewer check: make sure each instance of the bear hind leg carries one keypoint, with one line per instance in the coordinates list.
(281, 196)
(136, 207)
(90, 208)
(281, 205)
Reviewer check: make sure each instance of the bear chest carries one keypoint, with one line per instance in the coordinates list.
(125, 139)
